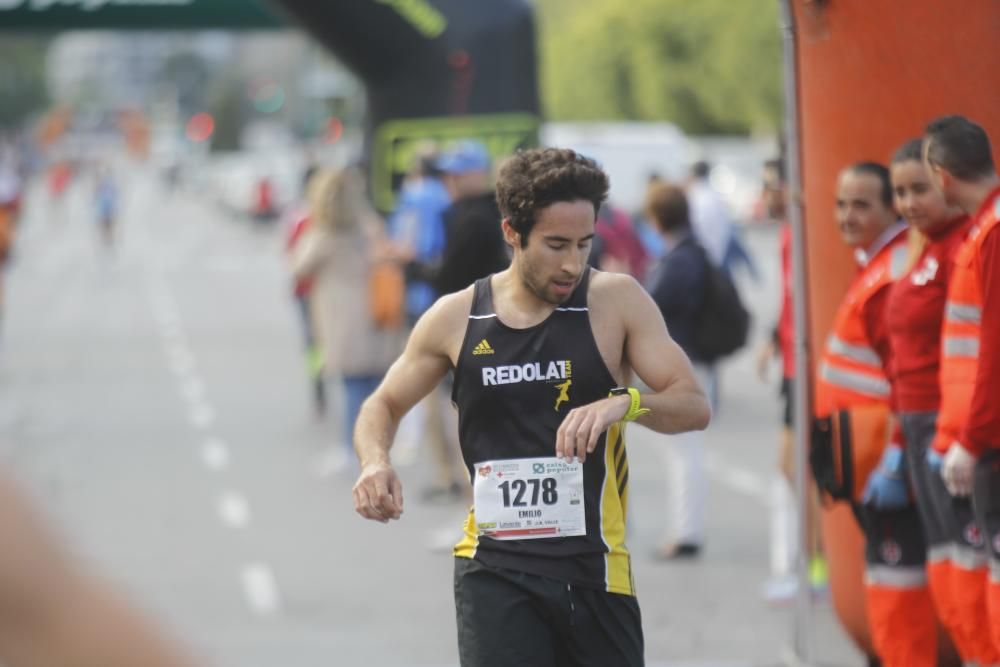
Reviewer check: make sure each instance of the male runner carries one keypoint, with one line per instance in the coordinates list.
(540, 353)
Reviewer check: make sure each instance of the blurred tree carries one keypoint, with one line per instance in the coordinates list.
(22, 79)
(712, 66)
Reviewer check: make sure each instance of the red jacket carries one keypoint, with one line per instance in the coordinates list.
(786, 321)
(983, 429)
(301, 221)
(856, 365)
(914, 314)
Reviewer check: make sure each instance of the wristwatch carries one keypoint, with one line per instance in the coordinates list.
(635, 409)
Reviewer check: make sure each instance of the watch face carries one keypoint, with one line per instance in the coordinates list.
(618, 391)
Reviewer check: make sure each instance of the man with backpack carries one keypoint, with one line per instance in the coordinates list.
(704, 315)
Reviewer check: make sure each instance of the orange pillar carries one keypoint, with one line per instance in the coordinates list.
(870, 76)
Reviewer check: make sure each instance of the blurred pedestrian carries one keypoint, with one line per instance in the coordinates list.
(713, 226)
(299, 222)
(784, 545)
(678, 284)
(106, 196)
(417, 227)
(59, 178)
(618, 247)
(417, 230)
(651, 240)
(474, 245)
(10, 203)
(713, 223)
(264, 207)
(339, 252)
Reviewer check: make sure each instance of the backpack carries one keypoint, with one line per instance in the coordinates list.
(6, 233)
(387, 295)
(723, 323)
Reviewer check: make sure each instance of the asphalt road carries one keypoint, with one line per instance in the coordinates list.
(154, 401)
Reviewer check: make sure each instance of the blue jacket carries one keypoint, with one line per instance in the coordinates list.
(418, 220)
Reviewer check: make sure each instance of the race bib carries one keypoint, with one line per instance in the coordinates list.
(527, 499)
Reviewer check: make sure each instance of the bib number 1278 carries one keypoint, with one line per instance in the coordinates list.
(514, 492)
(529, 499)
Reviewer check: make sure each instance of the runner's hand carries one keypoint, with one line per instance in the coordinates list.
(578, 434)
(378, 493)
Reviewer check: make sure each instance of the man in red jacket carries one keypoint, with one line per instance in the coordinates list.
(957, 152)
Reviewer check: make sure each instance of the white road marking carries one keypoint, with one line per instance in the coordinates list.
(193, 389)
(180, 359)
(202, 415)
(261, 589)
(215, 454)
(233, 509)
(171, 332)
(739, 480)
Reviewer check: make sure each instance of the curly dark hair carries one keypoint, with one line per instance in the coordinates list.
(534, 179)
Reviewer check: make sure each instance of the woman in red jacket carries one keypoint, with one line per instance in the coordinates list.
(914, 315)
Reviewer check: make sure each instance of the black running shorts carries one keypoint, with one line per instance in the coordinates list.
(508, 618)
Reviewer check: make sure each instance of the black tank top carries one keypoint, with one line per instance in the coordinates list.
(513, 388)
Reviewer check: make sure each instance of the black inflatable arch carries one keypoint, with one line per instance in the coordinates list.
(433, 69)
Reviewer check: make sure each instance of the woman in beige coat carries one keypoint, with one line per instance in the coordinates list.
(338, 252)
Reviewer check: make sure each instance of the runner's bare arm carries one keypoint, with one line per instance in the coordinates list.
(676, 402)
(421, 367)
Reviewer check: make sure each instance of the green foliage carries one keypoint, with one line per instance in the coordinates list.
(710, 66)
(22, 79)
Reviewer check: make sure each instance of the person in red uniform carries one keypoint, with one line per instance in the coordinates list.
(854, 387)
(958, 154)
(783, 585)
(914, 316)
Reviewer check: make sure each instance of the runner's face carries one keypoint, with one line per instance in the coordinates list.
(555, 257)
(917, 200)
(861, 214)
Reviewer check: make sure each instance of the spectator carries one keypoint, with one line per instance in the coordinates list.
(618, 247)
(417, 228)
(299, 222)
(106, 196)
(338, 252)
(474, 245)
(677, 285)
(713, 224)
(783, 584)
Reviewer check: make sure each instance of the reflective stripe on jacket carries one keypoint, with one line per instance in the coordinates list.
(960, 334)
(851, 372)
